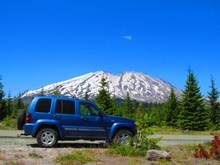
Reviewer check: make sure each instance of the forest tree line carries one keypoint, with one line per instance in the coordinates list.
(191, 111)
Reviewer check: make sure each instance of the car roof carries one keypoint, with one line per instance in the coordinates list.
(57, 97)
(62, 97)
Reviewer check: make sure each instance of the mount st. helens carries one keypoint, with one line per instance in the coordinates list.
(140, 86)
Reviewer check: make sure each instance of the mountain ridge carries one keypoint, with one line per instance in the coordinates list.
(140, 86)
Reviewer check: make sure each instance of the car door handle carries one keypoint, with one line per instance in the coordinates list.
(55, 117)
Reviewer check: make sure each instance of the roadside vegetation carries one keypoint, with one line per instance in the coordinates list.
(35, 155)
(137, 145)
(9, 108)
(76, 158)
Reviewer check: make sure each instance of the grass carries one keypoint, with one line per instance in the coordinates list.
(135, 160)
(183, 154)
(76, 158)
(14, 163)
(8, 124)
(180, 154)
(35, 155)
(169, 130)
(124, 150)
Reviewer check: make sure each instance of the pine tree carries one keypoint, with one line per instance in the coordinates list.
(139, 110)
(19, 105)
(56, 91)
(214, 105)
(2, 101)
(9, 104)
(103, 98)
(172, 109)
(193, 115)
(86, 97)
(128, 106)
(42, 92)
(115, 107)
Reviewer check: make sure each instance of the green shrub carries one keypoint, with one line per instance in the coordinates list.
(139, 144)
(8, 123)
(76, 157)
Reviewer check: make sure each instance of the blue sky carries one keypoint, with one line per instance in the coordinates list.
(44, 41)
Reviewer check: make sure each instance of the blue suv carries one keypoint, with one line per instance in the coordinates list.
(53, 118)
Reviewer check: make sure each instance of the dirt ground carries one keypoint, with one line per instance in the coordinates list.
(31, 154)
(15, 150)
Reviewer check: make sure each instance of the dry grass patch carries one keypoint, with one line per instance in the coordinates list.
(18, 162)
(35, 155)
(2, 155)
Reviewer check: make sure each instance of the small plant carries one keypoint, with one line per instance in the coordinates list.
(35, 155)
(215, 148)
(214, 151)
(75, 158)
(139, 144)
(200, 152)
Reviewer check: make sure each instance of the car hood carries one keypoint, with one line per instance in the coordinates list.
(118, 119)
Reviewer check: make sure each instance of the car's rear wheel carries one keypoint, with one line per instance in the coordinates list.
(122, 136)
(21, 119)
(47, 137)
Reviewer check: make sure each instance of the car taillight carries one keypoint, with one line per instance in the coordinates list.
(28, 117)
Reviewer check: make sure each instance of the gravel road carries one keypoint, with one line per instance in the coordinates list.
(14, 137)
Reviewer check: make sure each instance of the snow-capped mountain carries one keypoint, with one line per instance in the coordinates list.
(140, 86)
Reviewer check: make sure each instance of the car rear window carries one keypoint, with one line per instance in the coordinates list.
(65, 107)
(43, 105)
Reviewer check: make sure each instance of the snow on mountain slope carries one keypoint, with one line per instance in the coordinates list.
(140, 86)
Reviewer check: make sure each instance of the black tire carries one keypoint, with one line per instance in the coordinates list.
(21, 119)
(122, 136)
(42, 141)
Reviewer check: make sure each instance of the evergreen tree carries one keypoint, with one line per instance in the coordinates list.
(128, 106)
(42, 92)
(9, 104)
(115, 107)
(214, 105)
(56, 91)
(2, 101)
(172, 109)
(193, 115)
(139, 110)
(103, 98)
(19, 105)
(86, 97)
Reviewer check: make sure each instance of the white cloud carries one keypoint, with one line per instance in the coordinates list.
(127, 37)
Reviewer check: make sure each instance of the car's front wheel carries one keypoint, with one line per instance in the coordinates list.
(122, 136)
(47, 137)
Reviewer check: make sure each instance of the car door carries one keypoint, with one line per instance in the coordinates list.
(92, 123)
(65, 114)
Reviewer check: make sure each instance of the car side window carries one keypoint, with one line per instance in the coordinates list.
(87, 109)
(65, 107)
(43, 105)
